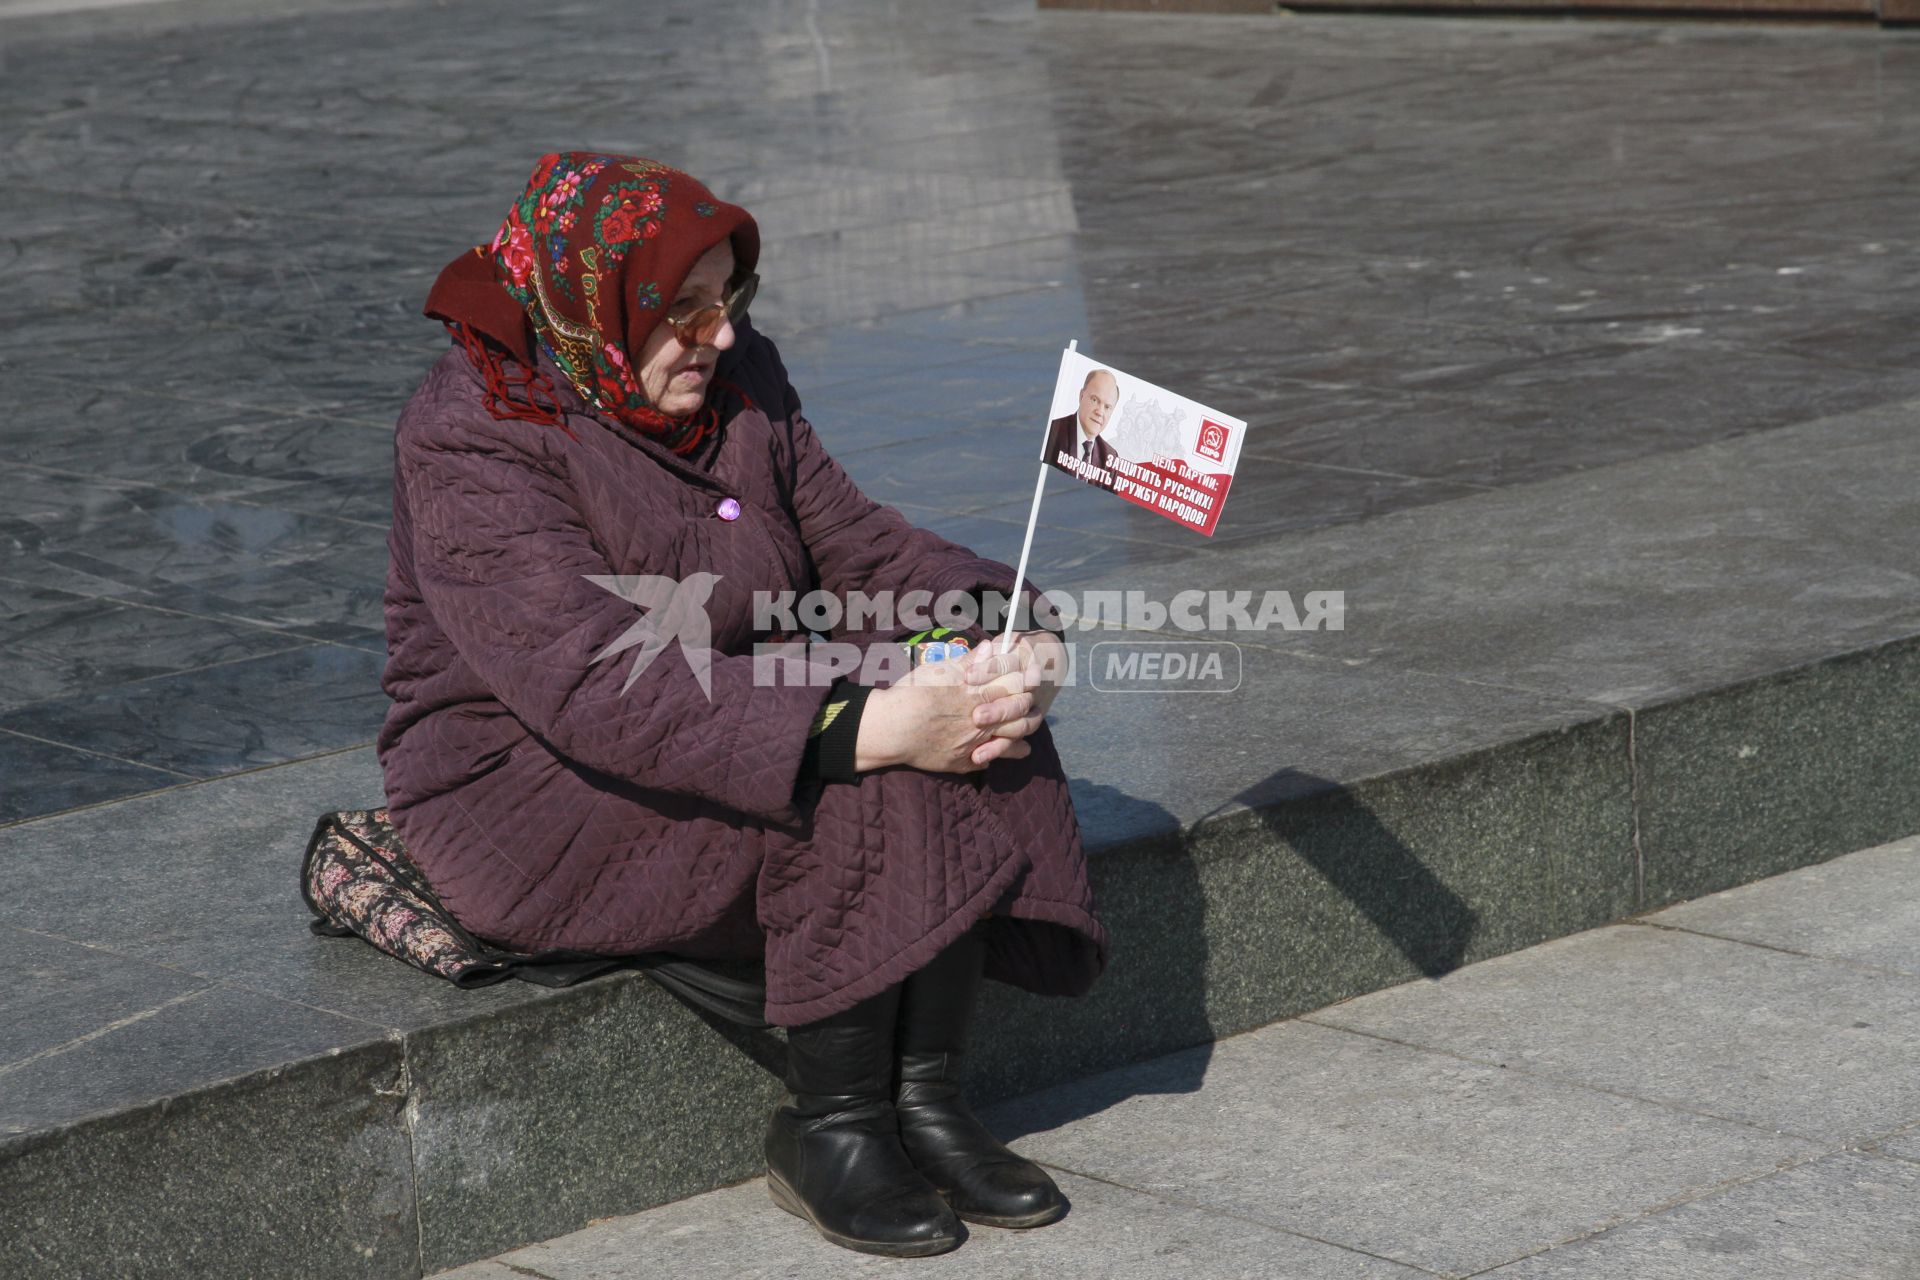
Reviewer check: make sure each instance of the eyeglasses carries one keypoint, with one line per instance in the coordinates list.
(699, 327)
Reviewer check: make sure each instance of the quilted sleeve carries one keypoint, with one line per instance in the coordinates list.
(503, 560)
(858, 544)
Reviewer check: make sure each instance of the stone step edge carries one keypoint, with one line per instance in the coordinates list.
(1614, 790)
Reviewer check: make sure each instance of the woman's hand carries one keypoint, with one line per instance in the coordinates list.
(959, 716)
(1039, 659)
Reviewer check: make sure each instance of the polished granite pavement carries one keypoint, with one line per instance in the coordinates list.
(1423, 258)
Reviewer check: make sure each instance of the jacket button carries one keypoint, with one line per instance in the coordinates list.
(728, 509)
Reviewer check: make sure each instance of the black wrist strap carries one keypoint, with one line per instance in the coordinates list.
(829, 756)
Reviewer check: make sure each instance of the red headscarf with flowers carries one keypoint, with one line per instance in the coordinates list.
(586, 264)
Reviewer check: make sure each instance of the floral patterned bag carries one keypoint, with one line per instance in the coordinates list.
(358, 881)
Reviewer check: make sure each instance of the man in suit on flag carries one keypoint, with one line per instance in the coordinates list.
(1077, 434)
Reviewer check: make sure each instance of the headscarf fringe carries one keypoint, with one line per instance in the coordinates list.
(503, 376)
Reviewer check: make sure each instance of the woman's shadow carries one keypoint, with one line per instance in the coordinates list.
(1166, 896)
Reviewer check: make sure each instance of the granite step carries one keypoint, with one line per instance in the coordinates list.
(1552, 707)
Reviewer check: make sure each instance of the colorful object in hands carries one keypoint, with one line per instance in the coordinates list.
(941, 644)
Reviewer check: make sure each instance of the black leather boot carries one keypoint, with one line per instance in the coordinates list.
(980, 1178)
(833, 1149)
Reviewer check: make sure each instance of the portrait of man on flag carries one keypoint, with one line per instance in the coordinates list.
(1154, 448)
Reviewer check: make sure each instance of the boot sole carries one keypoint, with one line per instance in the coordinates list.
(784, 1196)
(1045, 1217)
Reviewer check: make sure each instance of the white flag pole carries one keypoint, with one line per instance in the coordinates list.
(1026, 544)
(1020, 574)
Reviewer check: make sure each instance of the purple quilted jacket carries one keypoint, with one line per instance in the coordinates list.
(550, 808)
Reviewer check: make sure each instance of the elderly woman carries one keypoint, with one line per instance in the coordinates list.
(572, 770)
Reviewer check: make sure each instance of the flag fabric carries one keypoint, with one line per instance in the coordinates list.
(1156, 449)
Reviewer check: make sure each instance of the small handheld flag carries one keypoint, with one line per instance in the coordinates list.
(1156, 449)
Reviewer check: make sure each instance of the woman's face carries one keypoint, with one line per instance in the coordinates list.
(676, 377)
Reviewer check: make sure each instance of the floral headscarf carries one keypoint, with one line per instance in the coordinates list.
(585, 265)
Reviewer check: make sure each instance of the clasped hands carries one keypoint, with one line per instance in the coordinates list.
(962, 714)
